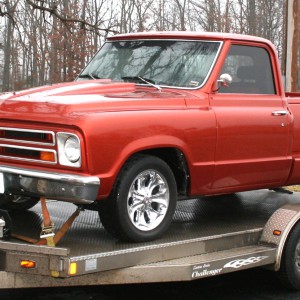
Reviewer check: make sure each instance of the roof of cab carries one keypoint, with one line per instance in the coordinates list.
(188, 35)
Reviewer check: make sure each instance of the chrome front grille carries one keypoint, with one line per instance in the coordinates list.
(13, 140)
(31, 136)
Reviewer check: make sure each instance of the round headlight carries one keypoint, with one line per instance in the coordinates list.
(72, 149)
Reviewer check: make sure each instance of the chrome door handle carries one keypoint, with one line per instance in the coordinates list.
(279, 113)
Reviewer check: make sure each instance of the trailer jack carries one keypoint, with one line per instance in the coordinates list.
(48, 236)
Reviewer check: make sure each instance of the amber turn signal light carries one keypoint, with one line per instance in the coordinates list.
(47, 156)
(27, 264)
(73, 268)
(277, 232)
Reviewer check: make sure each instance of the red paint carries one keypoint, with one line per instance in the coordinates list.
(231, 142)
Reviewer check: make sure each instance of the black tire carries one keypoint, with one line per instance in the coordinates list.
(289, 273)
(15, 202)
(140, 182)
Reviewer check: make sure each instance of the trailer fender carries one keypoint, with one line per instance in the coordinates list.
(279, 227)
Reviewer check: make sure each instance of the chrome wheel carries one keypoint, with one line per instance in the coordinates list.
(143, 200)
(148, 200)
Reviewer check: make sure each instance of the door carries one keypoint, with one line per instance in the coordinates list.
(253, 126)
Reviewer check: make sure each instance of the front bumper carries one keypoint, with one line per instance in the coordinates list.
(59, 186)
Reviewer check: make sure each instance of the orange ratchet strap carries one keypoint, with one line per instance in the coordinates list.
(48, 227)
(48, 237)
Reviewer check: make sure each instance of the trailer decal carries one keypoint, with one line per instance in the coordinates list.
(204, 273)
(238, 263)
(91, 264)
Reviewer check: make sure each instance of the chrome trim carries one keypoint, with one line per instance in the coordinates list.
(62, 137)
(28, 130)
(77, 189)
(279, 113)
(94, 180)
(29, 159)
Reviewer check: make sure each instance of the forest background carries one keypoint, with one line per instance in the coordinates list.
(50, 41)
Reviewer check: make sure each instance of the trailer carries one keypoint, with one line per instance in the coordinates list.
(208, 237)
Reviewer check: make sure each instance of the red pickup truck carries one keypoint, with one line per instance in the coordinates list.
(152, 119)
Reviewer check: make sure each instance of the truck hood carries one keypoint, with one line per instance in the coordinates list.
(65, 102)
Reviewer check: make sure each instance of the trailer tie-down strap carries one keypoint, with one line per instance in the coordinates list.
(48, 236)
(48, 227)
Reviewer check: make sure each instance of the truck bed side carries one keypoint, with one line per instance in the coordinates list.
(293, 100)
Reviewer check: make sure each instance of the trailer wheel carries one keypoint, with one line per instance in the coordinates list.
(143, 200)
(16, 202)
(289, 273)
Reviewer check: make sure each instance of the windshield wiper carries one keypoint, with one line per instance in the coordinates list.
(141, 79)
(90, 75)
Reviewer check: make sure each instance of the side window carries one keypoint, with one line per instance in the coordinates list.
(251, 71)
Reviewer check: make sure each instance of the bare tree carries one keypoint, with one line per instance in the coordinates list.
(213, 15)
(9, 10)
(126, 20)
(181, 5)
(51, 41)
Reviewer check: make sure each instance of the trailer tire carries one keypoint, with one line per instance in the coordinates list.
(143, 200)
(289, 272)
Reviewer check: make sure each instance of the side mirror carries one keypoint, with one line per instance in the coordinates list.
(225, 80)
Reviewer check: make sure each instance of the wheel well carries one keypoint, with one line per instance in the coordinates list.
(177, 162)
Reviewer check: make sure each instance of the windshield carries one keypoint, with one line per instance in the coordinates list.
(159, 62)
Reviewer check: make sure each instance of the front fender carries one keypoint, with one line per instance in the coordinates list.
(149, 143)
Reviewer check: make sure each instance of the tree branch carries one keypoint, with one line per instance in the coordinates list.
(67, 19)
